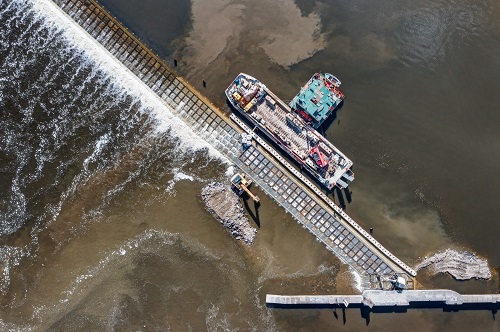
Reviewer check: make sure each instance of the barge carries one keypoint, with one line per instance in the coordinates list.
(292, 133)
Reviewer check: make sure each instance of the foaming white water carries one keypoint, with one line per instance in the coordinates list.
(46, 28)
(230, 171)
(182, 176)
(122, 82)
(356, 279)
(101, 142)
(13, 218)
(123, 79)
(179, 176)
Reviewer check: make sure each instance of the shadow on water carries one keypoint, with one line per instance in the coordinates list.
(365, 314)
(366, 311)
(255, 216)
(348, 194)
(328, 122)
(340, 197)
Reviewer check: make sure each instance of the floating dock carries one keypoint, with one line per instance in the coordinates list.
(267, 168)
(376, 298)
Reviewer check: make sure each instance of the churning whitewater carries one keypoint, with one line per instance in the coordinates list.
(76, 129)
(102, 225)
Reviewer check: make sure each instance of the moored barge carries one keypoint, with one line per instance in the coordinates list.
(290, 131)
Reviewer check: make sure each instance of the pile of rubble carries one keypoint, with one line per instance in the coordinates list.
(221, 201)
(462, 265)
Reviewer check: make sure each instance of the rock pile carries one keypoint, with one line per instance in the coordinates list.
(222, 202)
(462, 265)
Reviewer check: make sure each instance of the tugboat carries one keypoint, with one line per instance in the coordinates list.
(318, 99)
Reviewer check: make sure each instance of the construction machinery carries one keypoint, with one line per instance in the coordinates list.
(241, 184)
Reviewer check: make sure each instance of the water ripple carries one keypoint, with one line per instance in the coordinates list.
(426, 33)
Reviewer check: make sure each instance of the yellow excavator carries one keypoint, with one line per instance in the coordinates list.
(241, 183)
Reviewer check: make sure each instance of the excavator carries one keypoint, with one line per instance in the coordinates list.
(241, 183)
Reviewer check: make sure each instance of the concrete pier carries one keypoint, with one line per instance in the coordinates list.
(376, 298)
(267, 168)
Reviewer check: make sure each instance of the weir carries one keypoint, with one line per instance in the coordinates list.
(267, 168)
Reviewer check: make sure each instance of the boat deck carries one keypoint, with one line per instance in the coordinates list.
(288, 129)
(294, 133)
(275, 122)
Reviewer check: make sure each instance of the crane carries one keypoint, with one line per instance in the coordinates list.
(241, 183)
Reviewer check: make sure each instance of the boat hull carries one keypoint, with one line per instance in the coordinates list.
(234, 99)
(281, 144)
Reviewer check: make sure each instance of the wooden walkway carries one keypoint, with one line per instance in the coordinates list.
(300, 197)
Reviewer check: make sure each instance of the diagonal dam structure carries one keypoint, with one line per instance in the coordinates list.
(314, 210)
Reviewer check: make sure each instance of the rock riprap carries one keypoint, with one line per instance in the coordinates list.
(224, 204)
(462, 265)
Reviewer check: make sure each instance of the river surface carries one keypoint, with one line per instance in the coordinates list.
(101, 222)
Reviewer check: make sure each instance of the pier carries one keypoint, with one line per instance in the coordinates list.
(313, 209)
(377, 298)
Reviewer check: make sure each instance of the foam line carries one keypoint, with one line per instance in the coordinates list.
(124, 78)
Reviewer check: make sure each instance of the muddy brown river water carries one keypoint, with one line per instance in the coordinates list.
(102, 226)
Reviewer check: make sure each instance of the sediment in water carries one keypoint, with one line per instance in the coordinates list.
(462, 265)
(224, 204)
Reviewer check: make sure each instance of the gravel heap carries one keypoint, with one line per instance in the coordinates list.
(221, 201)
(462, 265)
